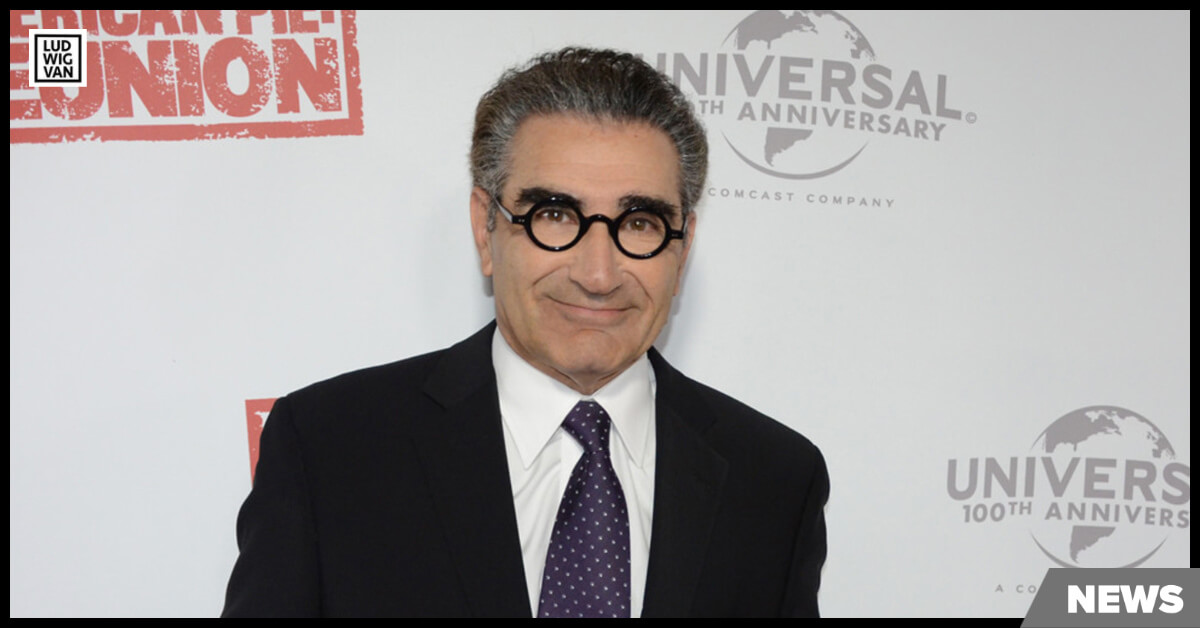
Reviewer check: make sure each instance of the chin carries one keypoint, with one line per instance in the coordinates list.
(593, 358)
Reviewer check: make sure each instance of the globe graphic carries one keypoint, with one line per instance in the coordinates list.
(773, 129)
(1094, 530)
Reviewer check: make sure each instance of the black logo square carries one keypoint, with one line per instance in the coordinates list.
(57, 59)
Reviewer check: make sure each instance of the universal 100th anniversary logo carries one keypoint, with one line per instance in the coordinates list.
(1101, 486)
(799, 96)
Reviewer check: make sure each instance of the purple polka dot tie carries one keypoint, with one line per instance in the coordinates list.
(587, 566)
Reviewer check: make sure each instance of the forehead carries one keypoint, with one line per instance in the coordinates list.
(594, 159)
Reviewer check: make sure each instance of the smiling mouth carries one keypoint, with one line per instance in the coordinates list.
(583, 313)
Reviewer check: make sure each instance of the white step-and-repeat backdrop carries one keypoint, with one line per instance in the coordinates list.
(952, 248)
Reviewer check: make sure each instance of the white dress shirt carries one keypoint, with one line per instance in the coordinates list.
(541, 455)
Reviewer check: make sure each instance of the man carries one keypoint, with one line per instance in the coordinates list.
(553, 464)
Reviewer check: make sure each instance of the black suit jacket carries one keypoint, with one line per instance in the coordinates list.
(385, 492)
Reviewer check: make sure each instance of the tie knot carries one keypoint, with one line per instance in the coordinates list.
(589, 424)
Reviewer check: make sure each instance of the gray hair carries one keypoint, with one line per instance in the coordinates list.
(601, 84)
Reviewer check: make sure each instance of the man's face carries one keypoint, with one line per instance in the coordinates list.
(585, 314)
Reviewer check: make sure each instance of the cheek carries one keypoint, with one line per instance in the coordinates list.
(507, 260)
(518, 271)
(666, 282)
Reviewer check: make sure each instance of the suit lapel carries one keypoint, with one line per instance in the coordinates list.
(463, 452)
(689, 477)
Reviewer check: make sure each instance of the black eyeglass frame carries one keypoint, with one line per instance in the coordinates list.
(585, 223)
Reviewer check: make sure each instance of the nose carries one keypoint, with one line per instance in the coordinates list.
(596, 265)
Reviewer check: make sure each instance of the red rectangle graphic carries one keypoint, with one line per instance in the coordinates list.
(257, 411)
(192, 75)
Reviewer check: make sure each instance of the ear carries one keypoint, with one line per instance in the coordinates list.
(688, 234)
(479, 219)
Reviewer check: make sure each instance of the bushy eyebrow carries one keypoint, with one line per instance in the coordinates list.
(534, 195)
(669, 210)
(531, 196)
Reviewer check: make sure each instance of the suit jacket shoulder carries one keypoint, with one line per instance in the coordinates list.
(739, 508)
(445, 375)
(367, 497)
(730, 422)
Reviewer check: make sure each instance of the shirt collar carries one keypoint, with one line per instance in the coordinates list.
(533, 404)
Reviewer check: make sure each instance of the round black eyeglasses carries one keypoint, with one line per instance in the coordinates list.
(556, 224)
